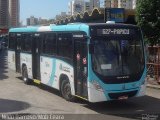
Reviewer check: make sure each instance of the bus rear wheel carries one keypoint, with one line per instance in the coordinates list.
(66, 90)
(25, 76)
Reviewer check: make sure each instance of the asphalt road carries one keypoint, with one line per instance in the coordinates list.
(16, 97)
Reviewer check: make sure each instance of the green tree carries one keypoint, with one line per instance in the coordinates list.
(148, 18)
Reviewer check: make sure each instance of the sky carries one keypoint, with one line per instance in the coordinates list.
(42, 8)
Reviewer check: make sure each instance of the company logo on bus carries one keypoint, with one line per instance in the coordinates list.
(78, 36)
(64, 68)
(123, 77)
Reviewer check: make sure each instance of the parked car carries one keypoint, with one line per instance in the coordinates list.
(3, 42)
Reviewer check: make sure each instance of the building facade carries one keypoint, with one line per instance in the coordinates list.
(127, 4)
(94, 4)
(80, 6)
(9, 13)
(70, 9)
(114, 3)
(134, 4)
(61, 16)
(32, 21)
(107, 3)
(76, 6)
(4, 14)
(14, 11)
(86, 6)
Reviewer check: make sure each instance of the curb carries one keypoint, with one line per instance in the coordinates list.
(153, 86)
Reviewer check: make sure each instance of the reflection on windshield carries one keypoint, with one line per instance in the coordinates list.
(117, 57)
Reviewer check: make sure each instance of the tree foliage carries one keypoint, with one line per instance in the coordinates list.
(148, 18)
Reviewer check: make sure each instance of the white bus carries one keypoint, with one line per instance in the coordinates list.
(95, 62)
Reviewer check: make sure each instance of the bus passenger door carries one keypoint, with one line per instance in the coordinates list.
(36, 56)
(81, 69)
(17, 53)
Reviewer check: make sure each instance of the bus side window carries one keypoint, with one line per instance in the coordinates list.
(65, 45)
(27, 43)
(12, 41)
(49, 44)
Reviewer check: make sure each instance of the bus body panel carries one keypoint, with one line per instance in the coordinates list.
(46, 70)
(63, 68)
(11, 60)
(44, 28)
(27, 29)
(71, 28)
(95, 95)
(101, 94)
(52, 69)
(26, 59)
(59, 28)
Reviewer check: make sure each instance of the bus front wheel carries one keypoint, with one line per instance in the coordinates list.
(25, 76)
(66, 90)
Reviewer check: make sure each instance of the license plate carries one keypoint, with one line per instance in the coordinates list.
(123, 98)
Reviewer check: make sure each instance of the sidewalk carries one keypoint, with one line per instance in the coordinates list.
(152, 83)
(153, 86)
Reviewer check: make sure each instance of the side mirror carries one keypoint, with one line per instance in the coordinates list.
(91, 48)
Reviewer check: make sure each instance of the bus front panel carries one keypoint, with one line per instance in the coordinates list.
(117, 62)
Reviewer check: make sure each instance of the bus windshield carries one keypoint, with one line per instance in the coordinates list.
(117, 56)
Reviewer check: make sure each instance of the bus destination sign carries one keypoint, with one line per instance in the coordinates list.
(114, 31)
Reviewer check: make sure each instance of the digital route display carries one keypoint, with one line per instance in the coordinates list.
(115, 31)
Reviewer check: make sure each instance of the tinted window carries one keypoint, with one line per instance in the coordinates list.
(118, 57)
(12, 40)
(27, 42)
(65, 46)
(49, 44)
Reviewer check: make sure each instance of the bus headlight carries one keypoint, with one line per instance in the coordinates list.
(97, 85)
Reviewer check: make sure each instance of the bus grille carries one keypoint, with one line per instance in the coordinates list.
(117, 95)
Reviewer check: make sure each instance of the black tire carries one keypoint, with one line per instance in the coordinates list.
(25, 76)
(66, 90)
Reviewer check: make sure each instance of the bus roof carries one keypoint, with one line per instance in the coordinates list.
(69, 27)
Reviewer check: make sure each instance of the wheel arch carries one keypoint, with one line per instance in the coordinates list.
(61, 78)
